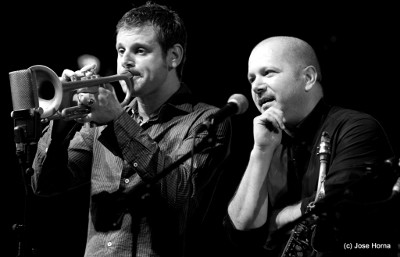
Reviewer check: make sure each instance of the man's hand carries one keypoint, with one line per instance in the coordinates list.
(102, 100)
(268, 129)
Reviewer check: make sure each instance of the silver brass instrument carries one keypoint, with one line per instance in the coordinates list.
(39, 76)
(299, 243)
(324, 151)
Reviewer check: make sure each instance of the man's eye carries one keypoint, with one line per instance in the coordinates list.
(251, 79)
(268, 73)
(120, 51)
(140, 51)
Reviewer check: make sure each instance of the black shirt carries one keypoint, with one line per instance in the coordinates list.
(357, 142)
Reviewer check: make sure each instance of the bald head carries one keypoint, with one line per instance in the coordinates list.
(293, 50)
(284, 74)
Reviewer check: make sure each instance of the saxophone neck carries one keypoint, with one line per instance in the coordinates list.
(324, 151)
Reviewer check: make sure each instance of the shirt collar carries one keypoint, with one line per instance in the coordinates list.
(181, 101)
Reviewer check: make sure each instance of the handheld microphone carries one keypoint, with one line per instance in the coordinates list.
(237, 104)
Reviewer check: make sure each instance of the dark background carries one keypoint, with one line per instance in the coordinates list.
(357, 46)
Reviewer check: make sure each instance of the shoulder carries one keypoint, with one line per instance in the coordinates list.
(205, 107)
(352, 127)
(351, 118)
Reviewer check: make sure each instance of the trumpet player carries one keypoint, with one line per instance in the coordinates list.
(281, 177)
(131, 144)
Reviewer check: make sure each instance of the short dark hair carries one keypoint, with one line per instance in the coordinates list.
(169, 27)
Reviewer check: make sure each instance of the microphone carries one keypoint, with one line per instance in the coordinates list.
(237, 104)
(24, 90)
(26, 111)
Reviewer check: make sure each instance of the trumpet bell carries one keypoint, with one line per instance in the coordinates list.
(49, 89)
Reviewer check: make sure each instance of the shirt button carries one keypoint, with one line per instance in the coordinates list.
(109, 244)
(126, 181)
(135, 164)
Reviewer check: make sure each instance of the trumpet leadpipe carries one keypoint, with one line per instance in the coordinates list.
(97, 81)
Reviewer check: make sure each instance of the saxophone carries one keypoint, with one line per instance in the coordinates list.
(299, 243)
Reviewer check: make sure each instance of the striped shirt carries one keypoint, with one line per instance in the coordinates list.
(119, 158)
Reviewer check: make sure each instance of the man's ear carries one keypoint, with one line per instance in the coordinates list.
(174, 56)
(311, 76)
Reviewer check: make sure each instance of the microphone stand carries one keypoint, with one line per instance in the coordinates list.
(26, 135)
(209, 139)
(107, 217)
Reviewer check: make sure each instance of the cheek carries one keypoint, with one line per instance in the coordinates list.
(253, 96)
(120, 69)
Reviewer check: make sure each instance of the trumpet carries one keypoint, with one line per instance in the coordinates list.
(28, 88)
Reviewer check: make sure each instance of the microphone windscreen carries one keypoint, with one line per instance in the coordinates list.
(24, 92)
(241, 102)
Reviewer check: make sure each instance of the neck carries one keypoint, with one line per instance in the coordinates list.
(148, 104)
(309, 107)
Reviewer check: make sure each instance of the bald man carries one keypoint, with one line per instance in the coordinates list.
(284, 168)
